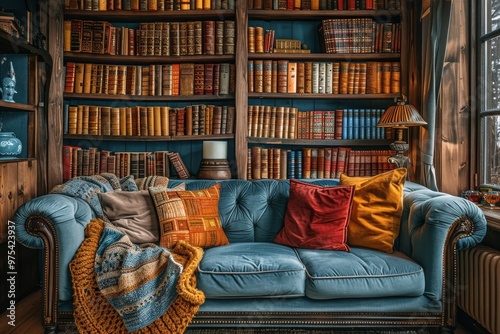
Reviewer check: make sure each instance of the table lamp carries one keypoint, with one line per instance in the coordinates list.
(401, 116)
(214, 165)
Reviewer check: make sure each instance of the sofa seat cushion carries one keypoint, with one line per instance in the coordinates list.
(361, 273)
(253, 269)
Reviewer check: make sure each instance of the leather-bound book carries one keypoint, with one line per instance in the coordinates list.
(386, 77)
(292, 122)
(86, 36)
(219, 38)
(216, 79)
(175, 43)
(300, 86)
(183, 32)
(292, 77)
(225, 76)
(130, 84)
(199, 79)
(282, 76)
(190, 38)
(208, 37)
(229, 45)
(250, 76)
(79, 75)
(76, 35)
(166, 81)
(69, 81)
(259, 39)
(115, 121)
(308, 79)
(251, 39)
(258, 75)
(186, 79)
(179, 165)
(267, 75)
(198, 38)
(209, 79)
(175, 79)
(306, 162)
(165, 39)
(164, 120)
(344, 77)
(121, 79)
(395, 77)
(217, 120)
(105, 120)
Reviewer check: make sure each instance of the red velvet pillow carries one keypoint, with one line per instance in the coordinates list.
(316, 217)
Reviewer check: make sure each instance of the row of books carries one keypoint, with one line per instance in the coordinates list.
(291, 123)
(284, 76)
(359, 35)
(149, 120)
(325, 4)
(78, 161)
(151, 38)
(315, 163)
(148, 5)
(262, 40)
(183, 79)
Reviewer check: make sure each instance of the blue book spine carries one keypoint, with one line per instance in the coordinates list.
(362, 124)
(298, 165)
(350, 124)
(290, 157)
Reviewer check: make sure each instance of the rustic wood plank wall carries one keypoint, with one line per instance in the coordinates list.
(452, 157)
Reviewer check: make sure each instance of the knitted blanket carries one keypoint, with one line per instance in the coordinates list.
(87, 188)
(120, 287)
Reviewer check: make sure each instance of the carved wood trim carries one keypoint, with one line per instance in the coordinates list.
(42, 227)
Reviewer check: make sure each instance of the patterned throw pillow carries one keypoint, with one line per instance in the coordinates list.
(190, 215)
(316, 217)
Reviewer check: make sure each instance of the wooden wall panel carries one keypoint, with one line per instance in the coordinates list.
(452, 141)
(55, 102)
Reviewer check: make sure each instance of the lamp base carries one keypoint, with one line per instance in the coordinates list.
(214, 169)
(400, 159)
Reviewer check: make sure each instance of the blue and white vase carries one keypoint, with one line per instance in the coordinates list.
(10, 146)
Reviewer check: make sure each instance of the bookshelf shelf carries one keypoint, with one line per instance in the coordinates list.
(11, 44)
(314, 15)
(319, 142)
(133, 98)
(148, 138)
(17, 107)
(127, 60)
(150, 16)
(310, 96)
(326, 56)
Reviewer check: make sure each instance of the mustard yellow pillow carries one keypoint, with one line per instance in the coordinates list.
(376, 209)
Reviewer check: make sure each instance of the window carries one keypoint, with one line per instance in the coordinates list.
(489, 92)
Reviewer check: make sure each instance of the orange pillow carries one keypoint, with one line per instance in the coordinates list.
(189, 215)
(376, 209)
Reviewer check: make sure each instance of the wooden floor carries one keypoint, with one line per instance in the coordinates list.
(28, 318)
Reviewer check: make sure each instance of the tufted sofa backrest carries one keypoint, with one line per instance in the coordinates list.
(251, 210)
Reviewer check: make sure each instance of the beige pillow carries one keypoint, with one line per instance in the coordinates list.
(133, 213)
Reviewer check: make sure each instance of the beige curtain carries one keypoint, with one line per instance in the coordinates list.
(435, 21)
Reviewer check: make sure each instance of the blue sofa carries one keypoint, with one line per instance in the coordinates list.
(253, 282)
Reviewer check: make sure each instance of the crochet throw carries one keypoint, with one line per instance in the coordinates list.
(121, 287)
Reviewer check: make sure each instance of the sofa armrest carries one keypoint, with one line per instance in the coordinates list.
(56, 224)
(434, 226)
